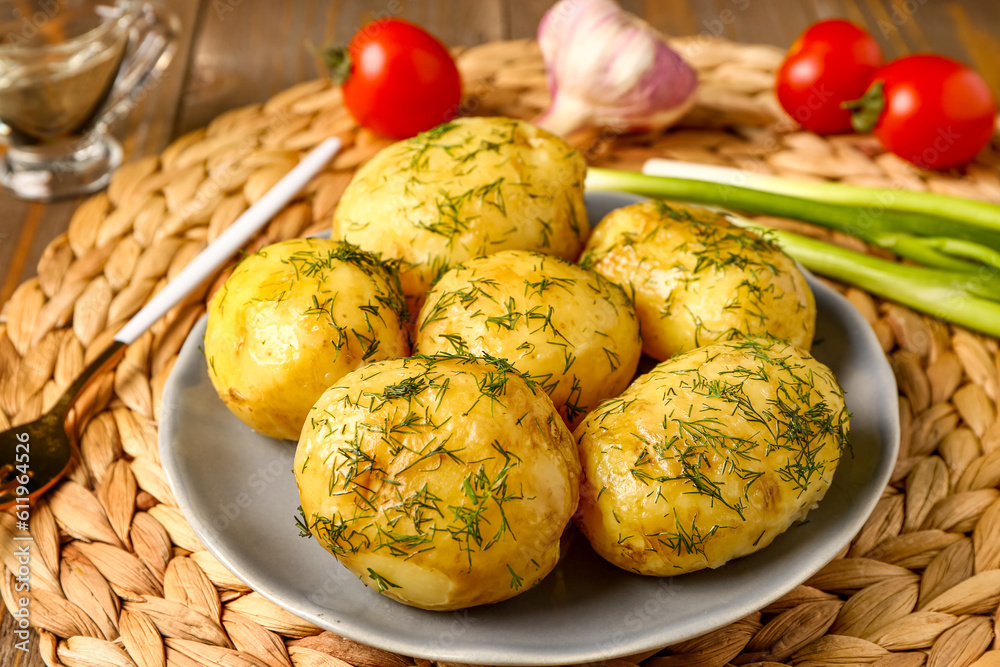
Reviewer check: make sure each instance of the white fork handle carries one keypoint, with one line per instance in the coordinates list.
(231, 240)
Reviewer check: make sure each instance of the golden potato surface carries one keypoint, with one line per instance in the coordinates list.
(469, 187)
(443, 482)
(709, 456)
(291, 320)
(571, 330)
(698, 279)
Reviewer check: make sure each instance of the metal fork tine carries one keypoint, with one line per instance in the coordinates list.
(51, 438)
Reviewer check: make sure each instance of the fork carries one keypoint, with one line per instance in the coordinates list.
(35, 455)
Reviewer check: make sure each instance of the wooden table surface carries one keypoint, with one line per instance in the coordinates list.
(238, 52)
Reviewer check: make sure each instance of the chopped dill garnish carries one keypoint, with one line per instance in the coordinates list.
(380, 581)
(515, 581)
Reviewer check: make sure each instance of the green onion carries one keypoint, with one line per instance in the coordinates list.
(956, 296)
(957, 241)
(871, 214)
(963, 211)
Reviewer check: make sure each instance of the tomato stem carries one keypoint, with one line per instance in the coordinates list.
(337, 62)
(867, 109)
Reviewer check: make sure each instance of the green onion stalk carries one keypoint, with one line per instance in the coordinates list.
(962, 211)
(871, 214)
(955, 241)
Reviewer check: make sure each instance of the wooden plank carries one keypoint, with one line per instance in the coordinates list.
(790, 19)
(859, 12)
(979, 41)
(10, 655)
(936, 28)
(16, 251)
(898, 43)
(901, 18)
(12, 223)
(150, 126)
(523, 17)
(765, 23)
(303, 23)
(467, 23)
(232, 68)
(853, 13)
(226, 67)
(671, 17)
(828, 9)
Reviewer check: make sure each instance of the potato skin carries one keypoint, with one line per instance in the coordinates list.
(443, 482)
(570, 329)
(698, 279)
(469, 187)
(709, 456)
(291, 320)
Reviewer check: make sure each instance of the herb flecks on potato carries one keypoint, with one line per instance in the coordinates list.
(468, 187)
(443, 482)
(291, 320)
(569, 329)
(697, 279)
(709, 456)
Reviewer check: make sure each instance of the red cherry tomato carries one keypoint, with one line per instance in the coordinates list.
(938, 113)
(400, 81)
(830, 63)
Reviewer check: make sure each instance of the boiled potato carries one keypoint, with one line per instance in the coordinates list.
(291, 320)
(469, 187)
(697, 279)
(442, 482)
(571, 330)
(709, 456)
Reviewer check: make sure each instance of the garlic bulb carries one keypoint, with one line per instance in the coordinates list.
(607, 67)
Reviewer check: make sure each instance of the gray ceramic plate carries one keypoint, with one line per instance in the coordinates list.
(236, 489)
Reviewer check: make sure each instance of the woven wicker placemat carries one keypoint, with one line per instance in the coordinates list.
(118, 576)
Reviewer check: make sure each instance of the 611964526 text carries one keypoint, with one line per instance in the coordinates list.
(22, 550)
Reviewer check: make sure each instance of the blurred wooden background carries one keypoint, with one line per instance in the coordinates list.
(238, 52)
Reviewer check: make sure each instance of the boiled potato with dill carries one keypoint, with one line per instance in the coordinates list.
(709, 456)
(442, 482)
(697, 279)
(291, 320)
(569, 329)
(469, 187)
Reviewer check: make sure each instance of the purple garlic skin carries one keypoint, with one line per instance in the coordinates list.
(607, 67)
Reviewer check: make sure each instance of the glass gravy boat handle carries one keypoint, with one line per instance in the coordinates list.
(152, 44)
